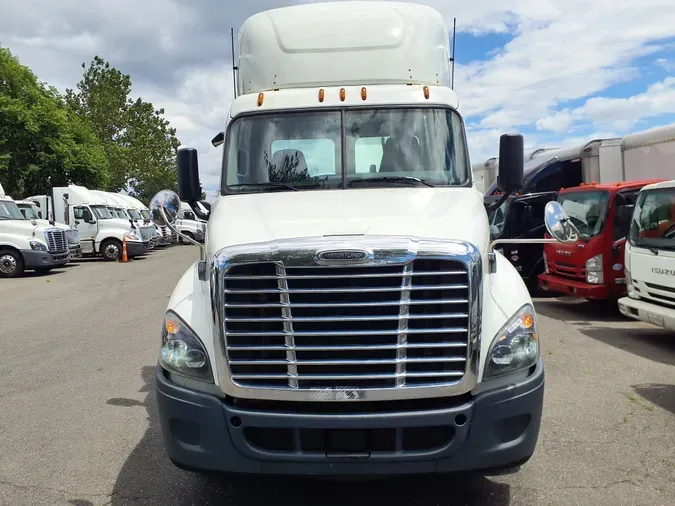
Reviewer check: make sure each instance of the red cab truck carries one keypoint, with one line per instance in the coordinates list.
(593, 267)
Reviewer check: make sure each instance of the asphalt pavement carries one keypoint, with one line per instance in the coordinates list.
(78, 423)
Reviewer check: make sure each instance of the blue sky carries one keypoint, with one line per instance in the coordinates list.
(560, 72)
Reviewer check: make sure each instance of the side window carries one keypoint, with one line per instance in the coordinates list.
(78, 212)
(623, 211)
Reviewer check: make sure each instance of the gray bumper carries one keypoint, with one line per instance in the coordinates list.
(42, 259)
(493, 430)
(75, 251)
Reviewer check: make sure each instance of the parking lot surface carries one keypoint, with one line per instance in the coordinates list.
(78, 423)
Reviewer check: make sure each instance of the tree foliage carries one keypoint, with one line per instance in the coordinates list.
(42, 142)
(140, 144)
(95, 135)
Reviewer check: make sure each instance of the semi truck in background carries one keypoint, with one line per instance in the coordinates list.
(344, 319)
(189, 226)
(485, 174)
(158, 236)
(100, 232)
(123, 209)
(593, 267)
(30, 212)
(26, 244)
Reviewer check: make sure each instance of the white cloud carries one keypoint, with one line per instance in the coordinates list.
(178, 54)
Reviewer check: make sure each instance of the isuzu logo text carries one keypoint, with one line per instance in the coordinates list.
(665, 272)
(564, 253)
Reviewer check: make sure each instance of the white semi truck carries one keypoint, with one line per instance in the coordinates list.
(27, 244)
(100, 232)
(348, 314)
(30, 212)
(650, 246)
(161, 234)
(188, 225)
(125, 210)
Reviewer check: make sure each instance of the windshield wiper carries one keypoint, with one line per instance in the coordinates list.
(392, 179)
(265, 185)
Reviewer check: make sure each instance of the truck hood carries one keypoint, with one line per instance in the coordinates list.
(26, 227)
(437, 213)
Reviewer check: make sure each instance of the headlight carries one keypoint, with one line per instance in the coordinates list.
(132, 236)
(594, 270)
(182, 352)
(632, 293)
(38, 246)
(545, 263)
(515, 347)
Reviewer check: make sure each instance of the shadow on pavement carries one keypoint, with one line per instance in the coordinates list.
(580, 311)
(654, 344)
(662, 396)
(148, 477)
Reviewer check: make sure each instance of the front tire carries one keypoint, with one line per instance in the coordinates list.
(11, 263)
(111, 249)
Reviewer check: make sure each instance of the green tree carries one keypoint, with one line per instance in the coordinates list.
(42, 143)
(139, 143)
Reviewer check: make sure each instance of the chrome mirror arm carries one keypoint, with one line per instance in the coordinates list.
(492, 256)
(201, 268)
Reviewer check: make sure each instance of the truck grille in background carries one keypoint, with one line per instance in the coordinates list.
(146, 233)
(57, 241)
(361, 327)
(164, 230)
(568, 270)
(73, 237)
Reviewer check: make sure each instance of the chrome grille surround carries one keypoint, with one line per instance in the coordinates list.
(383, 252)
(145, 232)
(56, 239)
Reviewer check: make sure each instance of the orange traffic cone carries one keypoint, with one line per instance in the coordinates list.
(125, 258)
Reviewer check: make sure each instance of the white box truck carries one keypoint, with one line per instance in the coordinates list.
(650, 246)
(100, 233)
(348, 314)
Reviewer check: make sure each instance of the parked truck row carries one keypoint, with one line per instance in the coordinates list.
(599, 185)
(43, 232)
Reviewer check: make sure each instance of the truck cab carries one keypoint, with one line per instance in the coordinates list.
(348, 314)
(30, 212)
(28, 245)
(123, 209)
(650, 257)
(189, 225)
(100, 232)
(593, 267)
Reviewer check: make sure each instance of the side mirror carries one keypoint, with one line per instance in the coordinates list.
(511, 164)
(218, 139)
(164, 207)
(189, 188)
(558, 224)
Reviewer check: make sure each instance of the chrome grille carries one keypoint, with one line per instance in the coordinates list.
(73, 237)
(146, 233)
(365, 327)
(57, 242)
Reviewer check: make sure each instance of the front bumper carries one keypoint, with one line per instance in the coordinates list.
(559, 284)
(75, 251)
(135, 248)
(648, 312)
(43, 259)
(494, 429)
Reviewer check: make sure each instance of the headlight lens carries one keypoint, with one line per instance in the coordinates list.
(132, 236)
(38, 246)
(515, 347)
(545, 263)
(182, 352)
(594, 270)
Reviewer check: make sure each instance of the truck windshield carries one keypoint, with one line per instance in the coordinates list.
(10, 211)
(28, 211)
(586, 209)
(653, 224)
(101, 212)
(134, 214)
(145, 213)
(497, 219)
(291, 151)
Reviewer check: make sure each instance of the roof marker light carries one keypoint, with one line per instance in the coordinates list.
(343, 94)
(364, 93)
(426, 92)
(321, 95)
(261, 97)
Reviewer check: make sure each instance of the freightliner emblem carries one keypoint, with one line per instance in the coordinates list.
(342, 256)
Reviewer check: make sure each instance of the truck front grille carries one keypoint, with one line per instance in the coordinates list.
(359, 327)
(146, 233)
(73, 237)
(57, 242)
(568, 270)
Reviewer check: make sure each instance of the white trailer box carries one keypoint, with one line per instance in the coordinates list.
(649, 154)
